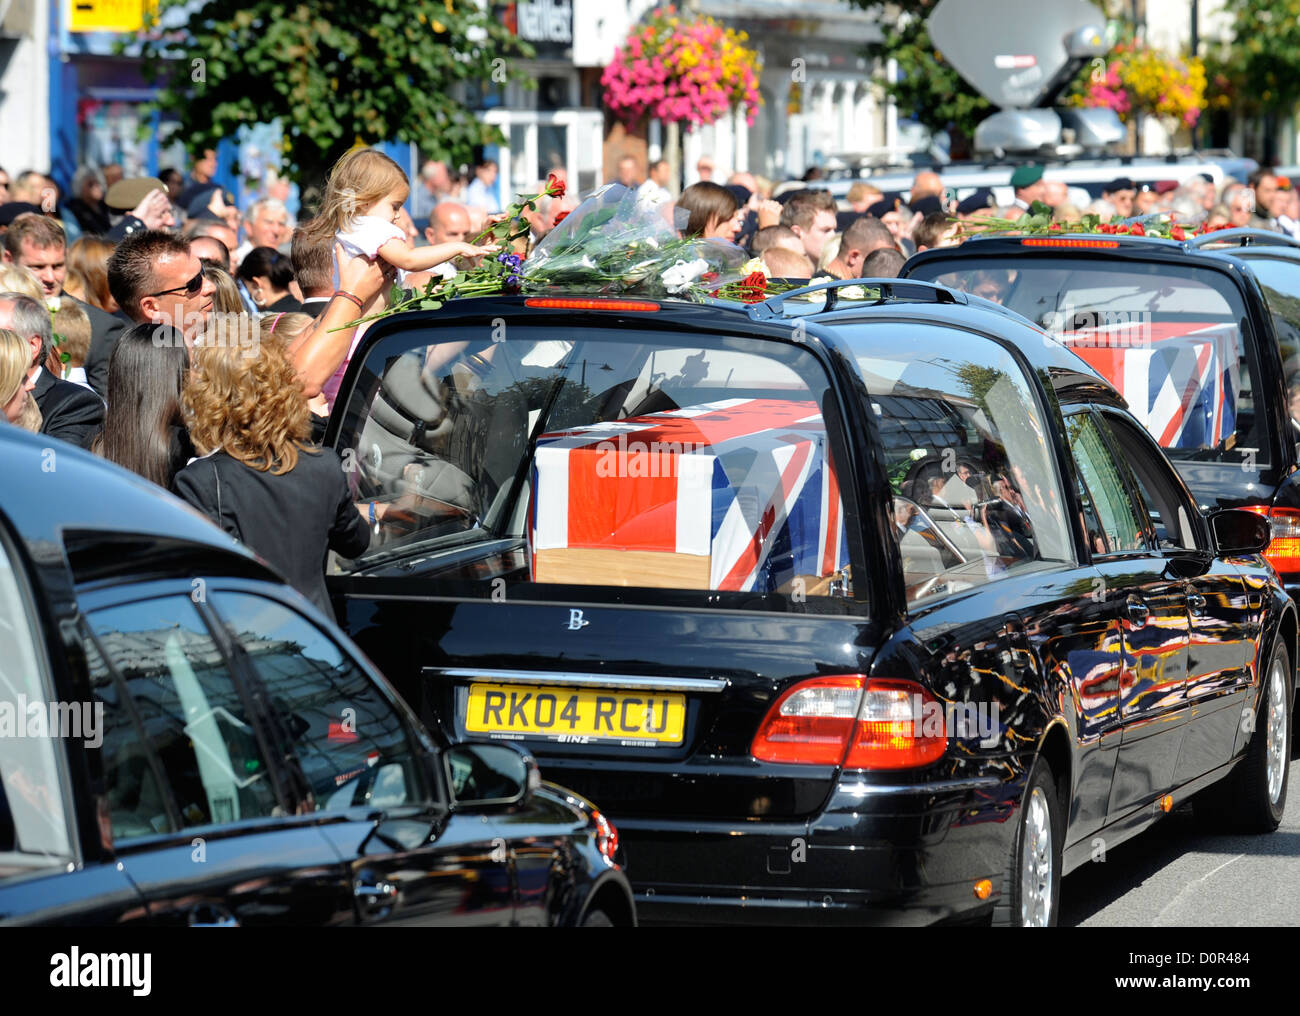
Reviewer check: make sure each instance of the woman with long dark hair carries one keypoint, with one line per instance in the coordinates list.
(714, 211)
(266, 273)
(144, 429)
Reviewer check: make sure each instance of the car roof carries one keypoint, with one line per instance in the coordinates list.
(57, 495)
(1067, 372)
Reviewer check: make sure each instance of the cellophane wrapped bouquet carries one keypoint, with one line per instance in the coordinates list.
(617, 242)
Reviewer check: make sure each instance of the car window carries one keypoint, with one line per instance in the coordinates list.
(973, 484)
(353, 747)
(623, 459)
(186, 754)
(31, 763)
(1171, 513)
(1112, 522)
(1169, 337)
(1280, 280)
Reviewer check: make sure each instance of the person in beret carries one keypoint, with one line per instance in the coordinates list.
(1120, 192)
(977, 204)
(146, 204)
(1027, 181)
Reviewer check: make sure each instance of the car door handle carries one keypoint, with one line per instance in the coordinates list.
(1138, 612)
(1196, 603)
(205, 915)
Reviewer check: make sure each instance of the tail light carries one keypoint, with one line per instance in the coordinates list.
(890, 728)
(849, 720)
(580, 303)
(606, 836)
(1283, 551)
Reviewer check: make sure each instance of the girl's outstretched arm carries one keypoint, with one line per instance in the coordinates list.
(419, 259)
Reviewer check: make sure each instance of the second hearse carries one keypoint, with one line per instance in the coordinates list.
(863, 611)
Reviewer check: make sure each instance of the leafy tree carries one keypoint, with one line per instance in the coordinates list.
(1257, 72)
(928, 86)
(334, 73)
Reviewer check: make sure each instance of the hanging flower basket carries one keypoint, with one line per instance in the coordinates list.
(1137, 80)
(678, 70)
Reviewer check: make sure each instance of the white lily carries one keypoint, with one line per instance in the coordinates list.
(679, 277)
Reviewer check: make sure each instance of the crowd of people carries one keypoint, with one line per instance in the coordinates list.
(155, 322)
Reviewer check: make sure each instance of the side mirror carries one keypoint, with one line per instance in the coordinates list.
(1237, 531)
(490, 775)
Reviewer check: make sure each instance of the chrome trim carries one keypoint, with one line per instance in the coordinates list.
(698, 684)
(938, 787)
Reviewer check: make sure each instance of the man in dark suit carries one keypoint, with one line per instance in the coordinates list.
(37, 243)
(68, 411)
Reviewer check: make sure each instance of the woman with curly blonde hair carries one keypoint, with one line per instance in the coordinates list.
(260, 479)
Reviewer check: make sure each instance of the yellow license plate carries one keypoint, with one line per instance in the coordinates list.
(576, 715)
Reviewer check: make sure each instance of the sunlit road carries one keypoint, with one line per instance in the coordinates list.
(1176, 874)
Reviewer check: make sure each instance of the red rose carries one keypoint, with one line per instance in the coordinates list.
(708, 277)
(554, 186)
(755, 280)
(1177, 233)
(559, 218)
(1137, 230)
(1122, 229)
(1055, 227)
(1105, 227)
(753, 288)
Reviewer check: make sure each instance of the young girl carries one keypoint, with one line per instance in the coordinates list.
(364, 195)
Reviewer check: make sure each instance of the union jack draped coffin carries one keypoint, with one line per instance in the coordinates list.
(744, 487)
(1180, 379)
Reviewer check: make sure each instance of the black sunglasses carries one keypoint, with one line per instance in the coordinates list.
(191, 288)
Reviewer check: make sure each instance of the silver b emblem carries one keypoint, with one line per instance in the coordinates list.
(576, 620)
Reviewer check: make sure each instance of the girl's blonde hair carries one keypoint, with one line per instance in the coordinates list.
(15, 278)
(357, 181)
(287, 326)
(251, 407)
(225, 298)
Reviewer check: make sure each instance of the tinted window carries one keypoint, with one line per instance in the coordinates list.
(973, 482)
(616, 458)
(1113, 522)
(194, 723)
(1280, 280)
(1170, 338)
(1168, 508)
(351, 744)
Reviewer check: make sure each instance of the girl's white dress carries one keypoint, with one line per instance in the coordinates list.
(367, 235)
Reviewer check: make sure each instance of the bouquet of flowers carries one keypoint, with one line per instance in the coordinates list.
(1038, 222)
(613, 243)
(616, 242)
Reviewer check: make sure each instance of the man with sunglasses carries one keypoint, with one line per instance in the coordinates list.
(154, 277)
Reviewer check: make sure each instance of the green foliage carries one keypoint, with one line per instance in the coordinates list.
(1257, 73)
(334, 73)
(928, 85)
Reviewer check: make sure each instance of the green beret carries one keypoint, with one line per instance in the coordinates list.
(1026, 176)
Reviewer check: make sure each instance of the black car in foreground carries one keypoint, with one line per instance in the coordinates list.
(879, 609)
(186, 741)
(1201, 337)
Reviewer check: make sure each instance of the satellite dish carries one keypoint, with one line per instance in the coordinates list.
(1018, 54)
